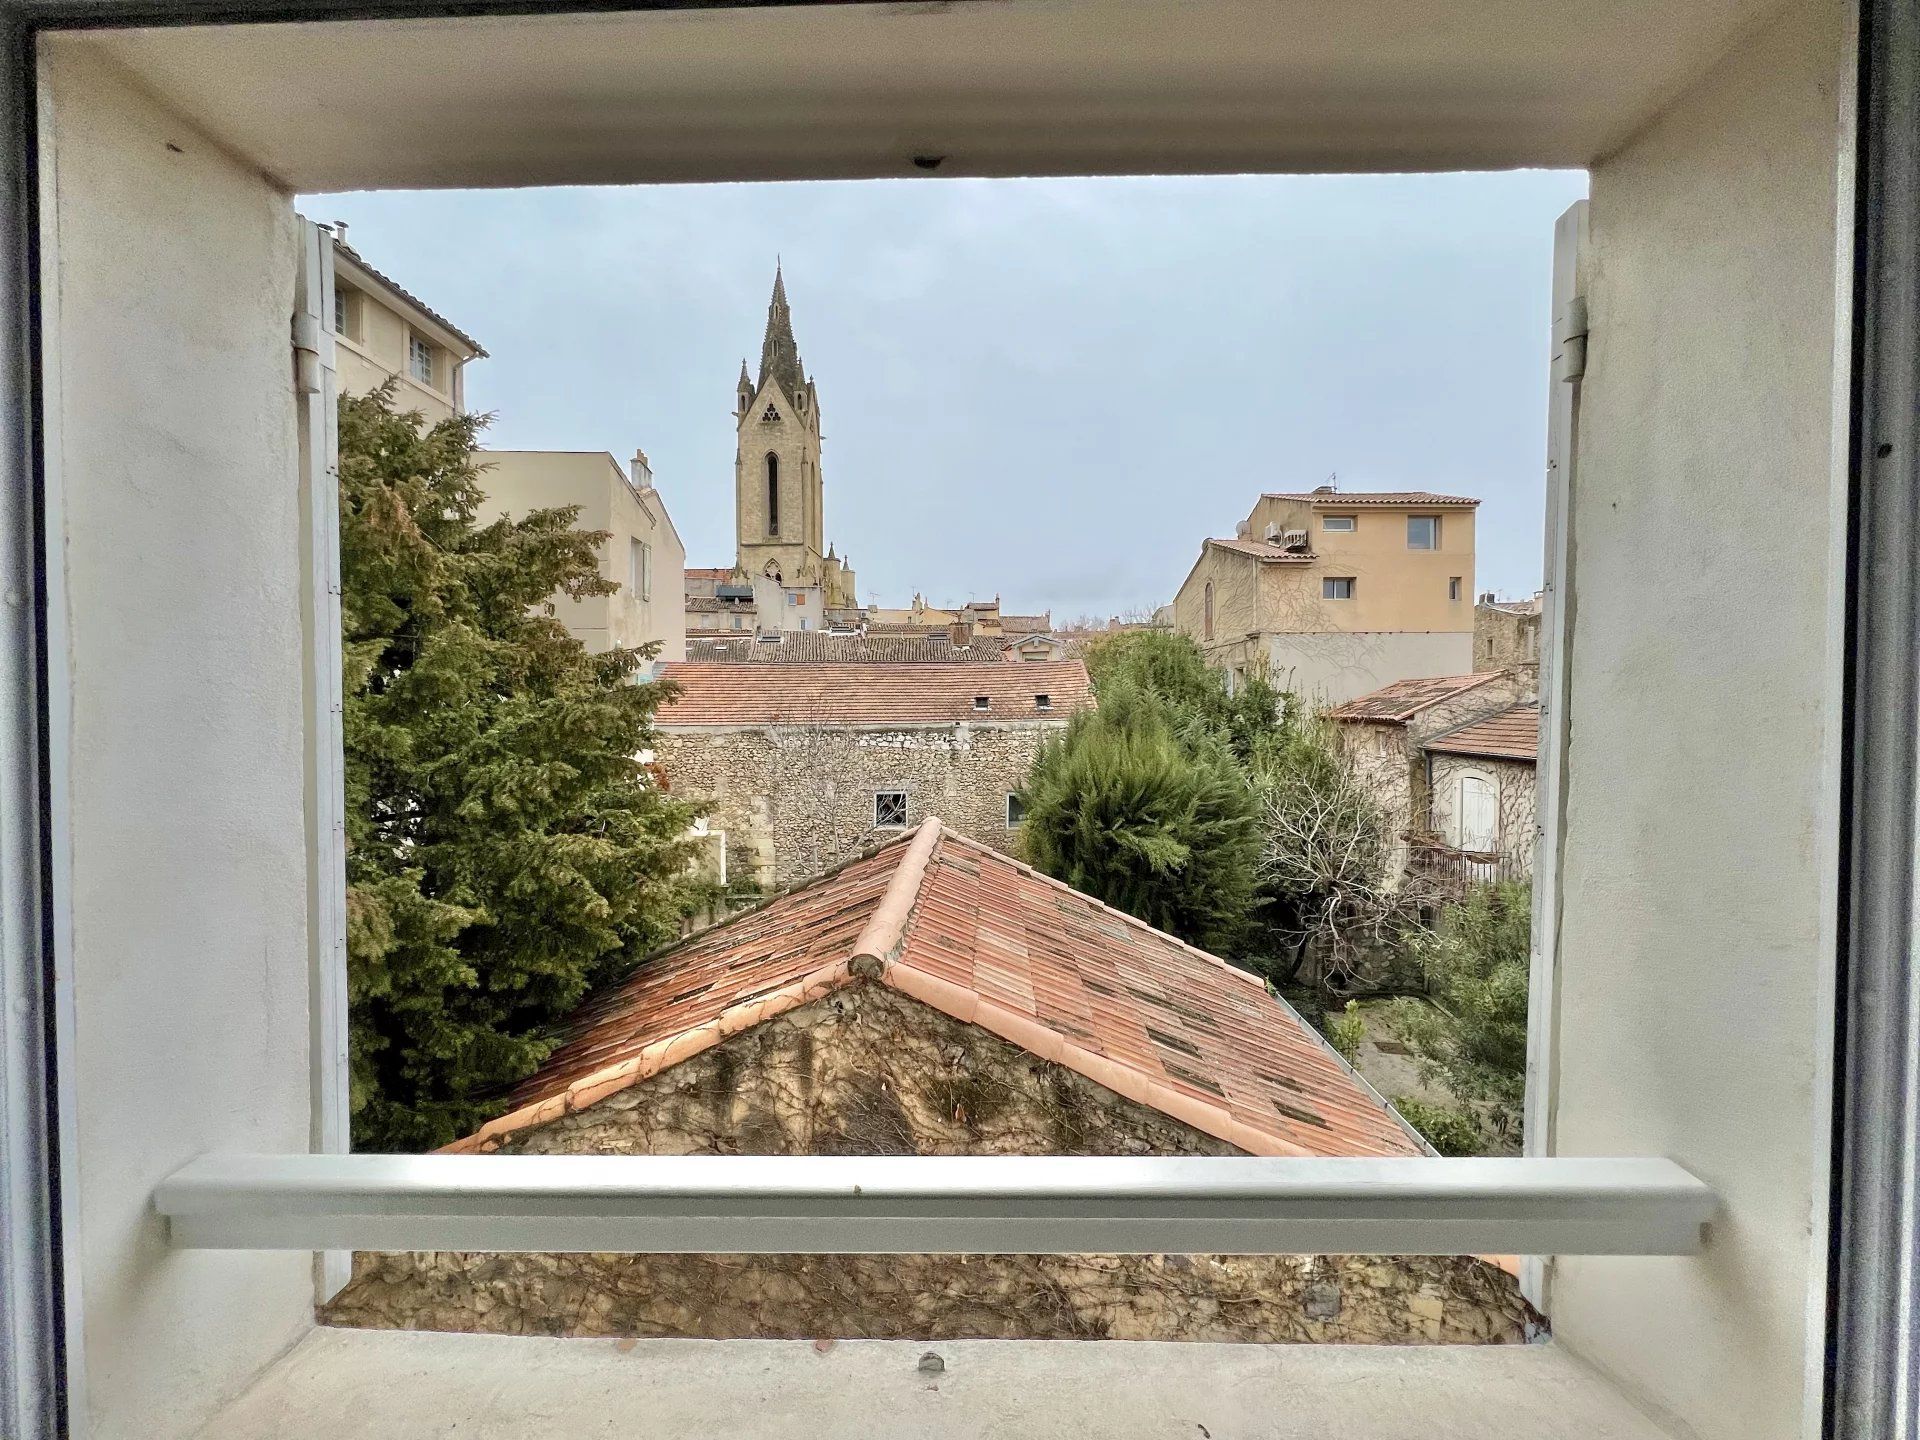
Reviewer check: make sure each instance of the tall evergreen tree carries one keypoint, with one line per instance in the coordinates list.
(506, 847)
(1154, 818)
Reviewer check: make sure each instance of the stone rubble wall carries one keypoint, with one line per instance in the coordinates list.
(800, 796)
(869, 1071)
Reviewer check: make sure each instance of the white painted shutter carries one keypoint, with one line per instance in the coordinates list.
(315, 397)
(1557, 609)
(1479, 824)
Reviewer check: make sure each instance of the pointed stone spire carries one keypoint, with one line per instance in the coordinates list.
(779, 354)
(746, 380)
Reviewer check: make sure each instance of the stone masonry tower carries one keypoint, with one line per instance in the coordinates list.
(778, 525)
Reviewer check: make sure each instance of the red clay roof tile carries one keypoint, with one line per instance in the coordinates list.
(722, 693)
(1401, 701)
(993, 943)
(1511, 734)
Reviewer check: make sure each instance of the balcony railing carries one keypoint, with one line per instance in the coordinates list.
(1455, 871)
(937, 1204)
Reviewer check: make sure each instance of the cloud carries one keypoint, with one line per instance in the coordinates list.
(1048, 389)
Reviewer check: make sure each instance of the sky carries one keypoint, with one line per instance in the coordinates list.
(1046, 390)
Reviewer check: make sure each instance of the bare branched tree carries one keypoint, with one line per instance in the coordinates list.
(1330, 859)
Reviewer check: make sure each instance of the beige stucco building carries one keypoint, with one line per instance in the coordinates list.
(382, 332)
(642, 552)
(1332, 594)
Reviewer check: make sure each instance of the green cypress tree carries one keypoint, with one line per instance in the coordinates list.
(506, 847)
(1152, 817)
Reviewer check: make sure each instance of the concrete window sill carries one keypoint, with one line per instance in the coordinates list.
(373, 1385)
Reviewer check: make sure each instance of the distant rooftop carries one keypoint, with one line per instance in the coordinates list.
(803, 647)
(1342, 499)
(1399, 702)
(1265, 550)
(730, 693)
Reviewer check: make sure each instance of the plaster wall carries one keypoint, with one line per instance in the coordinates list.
(518, 481)
(1696, 944)
(1330, 667)
(179, 728)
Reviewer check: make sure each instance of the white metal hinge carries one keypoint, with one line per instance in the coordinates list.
(1570, 341)
(312, 353)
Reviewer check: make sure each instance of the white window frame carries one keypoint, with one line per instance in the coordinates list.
(905, 809)
(420, 349)
(1434, 533)
(1340, 524)
(1014, 801)
(1329, 584)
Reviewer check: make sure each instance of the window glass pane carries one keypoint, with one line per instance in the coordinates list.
(1423, 532)
(420, 359)
(1337, 522)
(1336, 587)
(889, 809)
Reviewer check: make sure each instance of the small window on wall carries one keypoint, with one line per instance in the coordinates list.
(346, 313)
(1016, 810)
(1453, 588)
(420, 359)
(1336, 587)
(1206, 622)
(640, 569)
(1423, 532)
(1338, 524)
(889, 809)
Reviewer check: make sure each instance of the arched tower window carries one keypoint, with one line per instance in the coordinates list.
(773, 494)
(1206, 620)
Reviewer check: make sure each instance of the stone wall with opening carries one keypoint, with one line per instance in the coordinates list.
(869, 1071)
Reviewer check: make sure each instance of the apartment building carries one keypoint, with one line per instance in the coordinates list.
(382, 332)
(1334, 593)
(642, 552)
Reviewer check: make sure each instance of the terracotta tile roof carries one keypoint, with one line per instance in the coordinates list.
(727, 693)
(1261, 550)
(803, 647)
(1399, 702)
(989, 942)
(1510, 734)
(1346, 499)
(709, 572)
(708, 604)
(1039, 624)
(1512, 607)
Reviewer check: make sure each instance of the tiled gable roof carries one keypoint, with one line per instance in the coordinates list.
(1510, 734)
(1261, 550)
(1399, 702)
(988, 942)
(728, 693)
(1346, 499)
(709, 572)
(816, 647)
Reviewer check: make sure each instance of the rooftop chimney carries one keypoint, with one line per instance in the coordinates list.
(1324, 490)
(960, 634)
(642, 471)
(340, 231)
